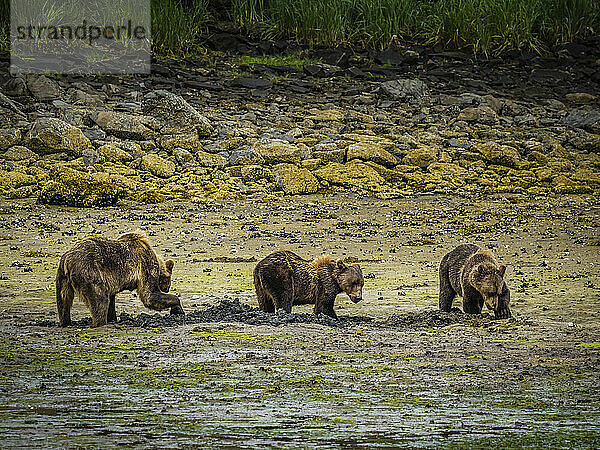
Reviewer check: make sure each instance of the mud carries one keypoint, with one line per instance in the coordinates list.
(392, 372)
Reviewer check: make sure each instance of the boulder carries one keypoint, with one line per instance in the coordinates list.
(245, 156)
(253, 173)
(210, 160)
(188, 141)
(294, 180)
(353, 174)
(125, 125)
(50, 135)
(410, 91)
(43, 88)
(72, 187)
(278, 151)
(18, 153)
(175, 115)
(9, 137)
(588, 119)
(157, 166)
(482, 114)
(113, 153)
(14, 180)
(371, 152)
(503, 155)
(421, 156)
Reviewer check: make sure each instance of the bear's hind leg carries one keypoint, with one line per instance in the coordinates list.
(64, 300)
(447, 293)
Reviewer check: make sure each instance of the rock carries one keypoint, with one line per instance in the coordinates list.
(580, 98)
(175, 114)
(252, 83)
(353, 174)
(278, 151)
(43, 88)
(371, 152)
(113, 153)
(329, 153)
(50, 135)
(14, 180)
(253, 173)
(326, 114)
(421, 156)
(188, 141)
(448, 171)
(588, 119)
(564, 185)
(157, 166)
(125, 125)
(294, 180)
(482, 114)
(538, 157)
(210, 160)
(411, 91)
(18, 153)
(321, 70)
(182, 156)
(9, 137)
(503, 155)
(72, 187)
(245, 156)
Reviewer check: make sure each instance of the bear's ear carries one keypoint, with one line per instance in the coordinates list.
(340, 264)
(169, 265)
(502, 270)
(357, 266)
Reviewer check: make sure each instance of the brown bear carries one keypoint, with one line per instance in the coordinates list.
(474, 274)
(98, 269)
(284, 279)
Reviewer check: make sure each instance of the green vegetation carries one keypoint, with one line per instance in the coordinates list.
(295, 60)
(175, 28)
(484, 25)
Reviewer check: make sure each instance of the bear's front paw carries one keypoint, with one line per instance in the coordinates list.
(502, 313)
(177, 309)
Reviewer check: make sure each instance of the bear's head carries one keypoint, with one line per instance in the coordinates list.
(350, 280)
(488, 280)
(164, 276)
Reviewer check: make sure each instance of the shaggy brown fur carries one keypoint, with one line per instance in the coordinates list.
(284, 279)
(97, 269)
(474, 274)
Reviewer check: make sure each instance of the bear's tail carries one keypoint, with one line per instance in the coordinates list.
(64, 295)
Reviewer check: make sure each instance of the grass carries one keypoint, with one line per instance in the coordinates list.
(488, 26)
(485, 26)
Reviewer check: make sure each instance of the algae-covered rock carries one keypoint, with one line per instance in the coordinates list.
(421, 156)
(72, 187)
(481, 114)
(210, 160)
(14, 179)
(564, 185)
(253, 173)
(187, 141)
(18, 153)
(9, 137)
(411, 91)
(175, 114)
(245, 156)
(125, 125)
(50, 135)
(503, 155)
(367, 151)
(353, 174)
(157, 166)
(278, 151)
(294, 180)
(588, 119)
(113, 153)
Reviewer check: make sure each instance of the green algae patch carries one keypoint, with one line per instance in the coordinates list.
(513, 341)
(259, 339)
(593, 345)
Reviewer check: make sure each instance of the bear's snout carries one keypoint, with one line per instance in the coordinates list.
(356, 298)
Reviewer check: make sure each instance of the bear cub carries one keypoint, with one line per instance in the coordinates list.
(97, 269)
(474, 274)
(284, 279)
